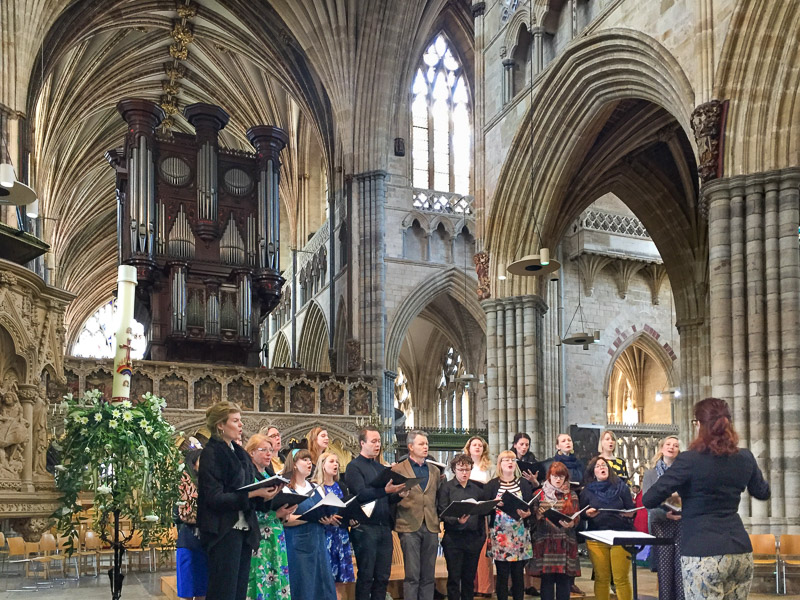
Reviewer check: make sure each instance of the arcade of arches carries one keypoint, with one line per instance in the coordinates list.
(654, 147)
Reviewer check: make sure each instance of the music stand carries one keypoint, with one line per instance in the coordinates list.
(632, 541)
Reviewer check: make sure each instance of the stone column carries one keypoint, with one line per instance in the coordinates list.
(478, 120)
(370, 230)
(538, 50)
(27, 395)
(514, 381)
(508, 80)
(694, 374)
(754, 271)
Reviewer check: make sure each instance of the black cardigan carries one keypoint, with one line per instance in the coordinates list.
(490, 493)
(710, 488)
(222, 471)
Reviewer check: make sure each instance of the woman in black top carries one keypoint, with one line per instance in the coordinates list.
(464, 535)
(604, 490)
(716, 554)
(225, 516)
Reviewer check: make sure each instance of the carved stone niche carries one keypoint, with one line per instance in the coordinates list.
(31, 370)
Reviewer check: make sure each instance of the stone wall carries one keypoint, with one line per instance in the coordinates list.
(31, 371)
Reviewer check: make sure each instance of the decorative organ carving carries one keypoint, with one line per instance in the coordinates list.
(201, 226)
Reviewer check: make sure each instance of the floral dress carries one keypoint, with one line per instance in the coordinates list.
(337, 541)
(509, 539)
(269, 567)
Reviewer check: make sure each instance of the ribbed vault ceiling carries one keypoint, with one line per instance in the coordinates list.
(330, 72)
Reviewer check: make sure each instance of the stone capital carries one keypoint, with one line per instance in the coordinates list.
(478, 9)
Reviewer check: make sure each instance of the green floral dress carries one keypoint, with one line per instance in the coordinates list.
(269, 567)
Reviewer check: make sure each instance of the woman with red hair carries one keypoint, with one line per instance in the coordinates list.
(716, 555)
(555, 545)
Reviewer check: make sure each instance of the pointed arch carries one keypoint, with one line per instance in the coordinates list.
(340, 337)
(653, 87)
(758, 73)
(654, 349)
(312, 350)
(281, 355)
(452, 282)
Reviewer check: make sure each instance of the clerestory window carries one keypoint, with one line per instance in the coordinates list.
(440, 117)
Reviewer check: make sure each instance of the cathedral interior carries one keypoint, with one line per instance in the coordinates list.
(462, 216)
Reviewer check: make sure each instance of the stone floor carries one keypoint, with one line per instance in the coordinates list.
(142, 585)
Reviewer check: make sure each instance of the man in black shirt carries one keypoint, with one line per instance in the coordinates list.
(463, 536)
(372, 539)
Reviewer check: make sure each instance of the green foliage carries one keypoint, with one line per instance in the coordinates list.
(123, 453)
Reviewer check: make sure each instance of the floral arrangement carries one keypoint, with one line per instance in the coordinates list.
(126, 455)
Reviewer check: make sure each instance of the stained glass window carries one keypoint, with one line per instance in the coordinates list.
(96, 338)
(440, 122)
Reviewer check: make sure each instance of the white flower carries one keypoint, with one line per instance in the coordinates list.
(116, 413)
(141, 448)
(171, 428)
(69, 397)
(85, 420)
(127, 416)
(148, 430)
(181, 503)
(126, 404)
(104, 489)
(60, 468)
(151, 518)
(87, 450)
(98, 417)
(113, 423)
(163, 403)
(143, 424)
(181, 466)
(84, 431)
(156, 435)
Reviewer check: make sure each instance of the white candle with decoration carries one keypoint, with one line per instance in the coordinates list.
(126, 292)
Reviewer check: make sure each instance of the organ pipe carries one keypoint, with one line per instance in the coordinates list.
(179, 299)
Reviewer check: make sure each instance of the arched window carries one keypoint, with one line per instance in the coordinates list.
(441, 136)
(96, 339)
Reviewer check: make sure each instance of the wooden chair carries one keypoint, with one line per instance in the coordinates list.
(91, 548)
(166, 545)
(789, 555)
(765, 554)
(63, 546)
(134, 548)
(47, 555)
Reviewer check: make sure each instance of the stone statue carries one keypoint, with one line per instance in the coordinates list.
(39, 430)
(481, 260)
(353, 355)
(13, 433)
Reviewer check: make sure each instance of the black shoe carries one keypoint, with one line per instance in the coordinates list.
(532, 591)
(437, 595)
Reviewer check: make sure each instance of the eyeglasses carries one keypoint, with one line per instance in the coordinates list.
(464, 469)
(264, 449)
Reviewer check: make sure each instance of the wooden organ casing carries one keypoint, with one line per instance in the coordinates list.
(202, 227)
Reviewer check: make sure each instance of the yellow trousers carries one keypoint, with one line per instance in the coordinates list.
(608, 560)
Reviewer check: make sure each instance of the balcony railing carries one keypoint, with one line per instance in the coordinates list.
(595, 220)
(442, 202)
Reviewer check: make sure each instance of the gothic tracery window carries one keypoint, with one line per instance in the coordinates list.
(96, 338)
(441, 131)
(453, 395)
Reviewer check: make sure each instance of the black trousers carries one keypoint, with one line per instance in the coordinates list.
(229, 566)
(556, 586)
(462, 552)
(517, 571)
(372, 546)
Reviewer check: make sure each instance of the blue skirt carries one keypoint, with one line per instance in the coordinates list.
(192, 568)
